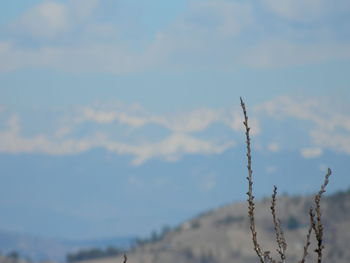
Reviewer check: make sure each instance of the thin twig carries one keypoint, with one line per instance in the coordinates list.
(125, 258)
(251, 204)
(318, 227)
(307, 242)
(281, 241)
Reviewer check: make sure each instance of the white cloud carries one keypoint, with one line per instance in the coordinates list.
(319, 112)
(273, 147)
(189, 122)
(197, 120)
(221, 17)
(327, 127)
(90, 114)
(311, 152)
(307, 10)
(132, 121)
(301, 10)
(11, 141)
(67, 37)
(13, 125)
(170, 148)
(48, 20)
(63, 131)
(122, 114)
(337, 142)
(210, 34)
(279, 53)
(80, 10)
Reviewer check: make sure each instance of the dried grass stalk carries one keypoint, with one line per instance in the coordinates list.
(307, 242)
(281, 241)
(251, 204)
(318, 226)
(315, 223)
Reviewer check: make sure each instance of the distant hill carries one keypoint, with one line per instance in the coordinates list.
(39, 249)
(13, 258)
(223, 235)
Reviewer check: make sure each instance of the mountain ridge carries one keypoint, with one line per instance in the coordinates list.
(223, 235)
(54, 249)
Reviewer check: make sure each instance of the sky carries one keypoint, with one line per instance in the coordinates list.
(120, 117)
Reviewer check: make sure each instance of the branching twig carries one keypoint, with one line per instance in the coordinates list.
(251, 204)
(315, 223)
(281, 241)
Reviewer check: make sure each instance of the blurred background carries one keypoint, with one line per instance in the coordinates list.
(121, 118)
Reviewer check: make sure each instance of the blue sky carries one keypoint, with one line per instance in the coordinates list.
(142, 99)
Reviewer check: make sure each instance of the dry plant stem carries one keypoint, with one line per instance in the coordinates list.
(315, 220)
(281, 241)
(307, 243)
(125, 258)
(251, 204)
(317, 226)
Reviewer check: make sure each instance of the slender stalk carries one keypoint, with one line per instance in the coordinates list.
(307, 242)
(318, 226)
(281, 241)
(251, 204)
(315, 217)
